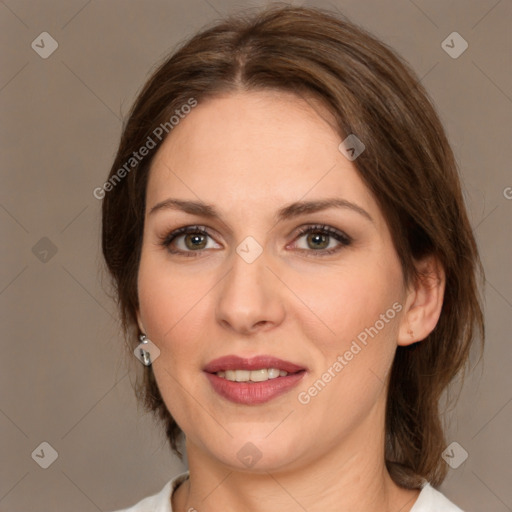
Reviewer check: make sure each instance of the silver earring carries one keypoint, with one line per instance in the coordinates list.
(144, 354)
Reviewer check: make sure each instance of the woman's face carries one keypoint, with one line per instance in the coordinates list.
(245, 291)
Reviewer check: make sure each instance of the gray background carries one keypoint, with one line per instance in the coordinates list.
(63, 377)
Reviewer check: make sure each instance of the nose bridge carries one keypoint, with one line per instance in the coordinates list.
(249, 295)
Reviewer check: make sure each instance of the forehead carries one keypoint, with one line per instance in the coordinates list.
(255, 147)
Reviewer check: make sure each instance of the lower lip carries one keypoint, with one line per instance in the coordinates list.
(253, 393)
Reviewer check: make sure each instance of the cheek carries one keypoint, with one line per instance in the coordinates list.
(166, 298)
(350, 368)
(345, 303)
(169, 310)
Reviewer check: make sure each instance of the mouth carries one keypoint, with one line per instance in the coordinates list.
(261, 375)
(252, 381)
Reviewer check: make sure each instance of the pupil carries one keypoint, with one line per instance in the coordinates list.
(319, 238)
(194, 241)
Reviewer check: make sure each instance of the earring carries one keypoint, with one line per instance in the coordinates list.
(144, 354)
(411, 334)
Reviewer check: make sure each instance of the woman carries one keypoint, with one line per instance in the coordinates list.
(286, 232)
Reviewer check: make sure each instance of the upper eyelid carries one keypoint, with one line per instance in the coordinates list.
(183, 230)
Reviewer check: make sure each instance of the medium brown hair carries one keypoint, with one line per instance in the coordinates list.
(408, 165)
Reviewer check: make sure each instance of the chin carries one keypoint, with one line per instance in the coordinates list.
(256, 454)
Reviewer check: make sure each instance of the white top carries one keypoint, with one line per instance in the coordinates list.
(429, 499)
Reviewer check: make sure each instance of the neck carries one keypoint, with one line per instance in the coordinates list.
(349, 476)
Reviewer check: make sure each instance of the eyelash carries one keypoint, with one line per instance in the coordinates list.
(343, 239)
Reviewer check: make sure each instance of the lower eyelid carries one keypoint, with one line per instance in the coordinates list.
(319, 252)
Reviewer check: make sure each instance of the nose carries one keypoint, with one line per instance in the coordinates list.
(250, 298)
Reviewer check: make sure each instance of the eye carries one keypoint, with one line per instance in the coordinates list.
(322, 239)
(188, 239)
(319, 240)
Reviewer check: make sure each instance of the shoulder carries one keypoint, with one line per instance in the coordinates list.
(160, 502)
(431, 500)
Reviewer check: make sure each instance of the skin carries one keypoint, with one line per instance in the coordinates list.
(249, 154)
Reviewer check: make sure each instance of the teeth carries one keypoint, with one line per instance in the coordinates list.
(252, 376)
(242, 375)
(273, 373)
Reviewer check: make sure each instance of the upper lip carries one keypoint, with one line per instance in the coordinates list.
(253, 363)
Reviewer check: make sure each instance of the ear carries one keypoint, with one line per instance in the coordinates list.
(424, 302)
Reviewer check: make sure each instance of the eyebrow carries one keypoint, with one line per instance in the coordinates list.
(290, 211)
